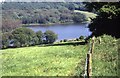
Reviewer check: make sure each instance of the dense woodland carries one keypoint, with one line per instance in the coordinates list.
(40, 13)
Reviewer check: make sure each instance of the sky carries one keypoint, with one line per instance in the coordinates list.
(2, 0)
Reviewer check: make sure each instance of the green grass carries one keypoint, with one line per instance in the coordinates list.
(105, 57)
(87, 14)
(44, 61)
(65, 60)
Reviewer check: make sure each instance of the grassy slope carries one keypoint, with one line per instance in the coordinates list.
(87, 14)
(105, 57)
(44, 61)
(62, 60)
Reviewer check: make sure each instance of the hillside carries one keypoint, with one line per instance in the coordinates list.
(105, 57)
(33, 12)
(89, 15)
(64, 60)
(44, 61)
(17, 14)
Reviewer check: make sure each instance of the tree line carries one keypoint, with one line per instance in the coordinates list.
(22, 37)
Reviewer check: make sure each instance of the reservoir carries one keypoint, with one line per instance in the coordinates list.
(71, 31)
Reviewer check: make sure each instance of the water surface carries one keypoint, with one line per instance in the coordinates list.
(65, 31)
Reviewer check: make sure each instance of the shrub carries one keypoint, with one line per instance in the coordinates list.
(77, 39)
(60, 40)
(65, 40)
(81, 37)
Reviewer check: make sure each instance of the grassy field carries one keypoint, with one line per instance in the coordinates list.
(87, 14)
(61, 60)
(105, 57)
(44, 61)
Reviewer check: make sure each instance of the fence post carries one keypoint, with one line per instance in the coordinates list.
(89, 65)
(93, 40)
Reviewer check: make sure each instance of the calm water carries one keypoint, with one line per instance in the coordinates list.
(65, 31)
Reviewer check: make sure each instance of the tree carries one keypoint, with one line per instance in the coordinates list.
(94, 6)
(5, 39)
(8, 24)
(39, 34)
(107, 21)
(50, 36)
(78, 18)
(25, 36)
(16, 43)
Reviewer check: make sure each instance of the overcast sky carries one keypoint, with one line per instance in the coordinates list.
(2, 0)
(60, 0)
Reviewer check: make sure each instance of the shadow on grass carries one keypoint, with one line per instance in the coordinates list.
(62, 44)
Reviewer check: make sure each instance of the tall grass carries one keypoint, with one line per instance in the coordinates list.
(105, 57)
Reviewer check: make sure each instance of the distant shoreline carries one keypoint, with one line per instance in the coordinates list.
(46, 24)
(26, 25)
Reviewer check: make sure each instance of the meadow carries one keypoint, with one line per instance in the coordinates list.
(61, 59)
(66, 60)
(88, 15)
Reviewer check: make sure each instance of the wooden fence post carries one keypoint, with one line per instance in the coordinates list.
(89, 65)
(92, 47)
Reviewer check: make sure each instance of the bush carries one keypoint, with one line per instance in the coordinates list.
(50, 36)
(77, 39)
(81, 37)
(60, 40)
(65, 40)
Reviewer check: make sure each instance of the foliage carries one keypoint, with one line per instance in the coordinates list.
(107, 21)
(77, 39)
(24, 36)
(16, 43)
(81, 37)
(94, 6)
(50, 36)
(39, 13)
(5, 39)
(65, 40)
(21, 37)
(8, 24)
(79, 17)
(41, 5)
(39, 34)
